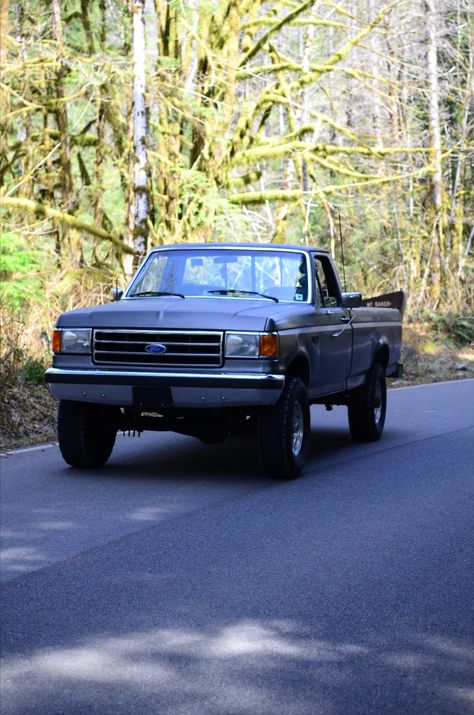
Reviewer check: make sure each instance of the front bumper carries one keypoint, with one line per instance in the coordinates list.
(149, 390)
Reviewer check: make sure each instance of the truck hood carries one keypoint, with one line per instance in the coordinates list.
(190, 314)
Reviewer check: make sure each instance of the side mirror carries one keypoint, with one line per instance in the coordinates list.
(352, 300)
(116, 293)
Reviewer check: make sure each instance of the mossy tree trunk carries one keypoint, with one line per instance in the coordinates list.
(435, 214)
(141, 187)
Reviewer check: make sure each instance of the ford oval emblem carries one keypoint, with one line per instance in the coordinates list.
(156, 348)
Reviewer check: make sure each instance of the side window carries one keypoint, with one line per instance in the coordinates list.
(327, 288)
(153, 274)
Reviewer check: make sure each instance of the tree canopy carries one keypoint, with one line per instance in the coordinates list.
(130, 124)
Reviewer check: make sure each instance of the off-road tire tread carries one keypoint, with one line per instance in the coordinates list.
(86, 437)
(361, 405)
(274, 433)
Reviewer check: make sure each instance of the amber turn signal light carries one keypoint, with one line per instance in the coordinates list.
(269, 345)
(56, 344)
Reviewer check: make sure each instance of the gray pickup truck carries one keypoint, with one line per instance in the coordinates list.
(219, 339)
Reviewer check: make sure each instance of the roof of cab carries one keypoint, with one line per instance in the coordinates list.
(235, 244)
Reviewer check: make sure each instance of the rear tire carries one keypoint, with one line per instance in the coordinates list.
(367, 406)
(283, 432)
(86, 433)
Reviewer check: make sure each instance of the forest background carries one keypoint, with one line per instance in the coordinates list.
(127, 124)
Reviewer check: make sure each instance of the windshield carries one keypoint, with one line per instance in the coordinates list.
(229, 273)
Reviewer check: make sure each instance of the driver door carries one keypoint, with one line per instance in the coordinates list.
(332, 334)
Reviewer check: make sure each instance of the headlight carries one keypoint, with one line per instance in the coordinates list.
(72, 340)
(242, 345)
(251, 345)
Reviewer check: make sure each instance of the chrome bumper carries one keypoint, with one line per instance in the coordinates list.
(149, 390)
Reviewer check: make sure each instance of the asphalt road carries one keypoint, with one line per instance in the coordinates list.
(178, 580)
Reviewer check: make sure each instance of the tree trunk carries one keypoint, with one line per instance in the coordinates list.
(435, 215)
(25, 164)
(100, 150)
(141, 180)
(86, 23)
(4, 6)
(66, 187)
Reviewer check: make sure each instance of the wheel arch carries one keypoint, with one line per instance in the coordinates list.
(299, 367)
(382, 355)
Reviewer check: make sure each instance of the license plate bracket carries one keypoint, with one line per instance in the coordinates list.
(152, 397)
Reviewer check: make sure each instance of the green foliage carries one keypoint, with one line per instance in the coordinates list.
(32, 372)
(169, 63)
(458, 330)
(18, 266)
(18, 347)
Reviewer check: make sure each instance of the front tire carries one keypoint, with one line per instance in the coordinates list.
(368, 405)
(86, 433)
(283, 432)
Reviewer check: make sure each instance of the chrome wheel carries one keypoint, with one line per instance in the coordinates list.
(297, 429)
(378, 403)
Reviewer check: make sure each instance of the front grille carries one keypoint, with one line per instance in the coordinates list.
(188, 349)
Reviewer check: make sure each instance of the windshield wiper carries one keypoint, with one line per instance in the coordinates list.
(155, 293)
(232, 291)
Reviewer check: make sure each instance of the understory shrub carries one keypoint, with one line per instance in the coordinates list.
(458, 330)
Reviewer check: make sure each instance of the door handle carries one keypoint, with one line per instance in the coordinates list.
(347, 322)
